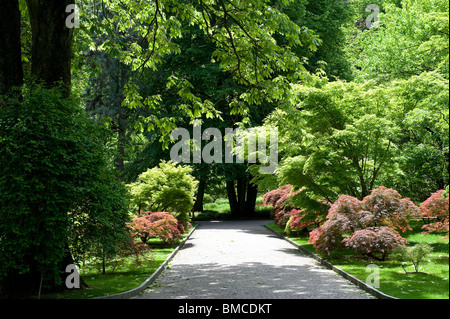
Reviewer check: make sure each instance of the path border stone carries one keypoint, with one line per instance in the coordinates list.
(136, 291)
(369, 289)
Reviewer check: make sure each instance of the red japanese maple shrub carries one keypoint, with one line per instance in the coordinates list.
(277, 199)
(299, 221)
(375, 242)
(326, 238)
(160, 224)
(342, 219)
(436, 207)
(282, 217)
(390, 209)
(287, 216)
(271, 198)
(368, 219)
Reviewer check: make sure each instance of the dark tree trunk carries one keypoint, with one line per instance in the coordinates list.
(241, 193)
(232, 198)
(11, 69)
(252, 195)
(68, 260)
(198, 206)
(242, 198)
(52, 42)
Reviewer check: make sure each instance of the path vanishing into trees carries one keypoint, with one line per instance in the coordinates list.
(244, 260)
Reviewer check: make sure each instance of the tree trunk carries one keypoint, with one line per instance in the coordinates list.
(252, 195)
(11, 69)
(241, 193)
(52, 42)
(103, 262)
(234, 205)
(242, 203)
(198, 206)
(68, 260)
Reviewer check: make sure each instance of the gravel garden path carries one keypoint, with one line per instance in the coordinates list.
(244, 260)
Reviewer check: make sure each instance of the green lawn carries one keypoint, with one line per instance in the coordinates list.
(220, 210)
(431, 283)
(125, 276)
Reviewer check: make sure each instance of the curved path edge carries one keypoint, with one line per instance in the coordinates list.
(369, 289)
(136, 291)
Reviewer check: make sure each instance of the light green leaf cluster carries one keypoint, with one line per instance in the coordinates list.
(349, 138)
(415, 255)
(412, 38)
(167, 188)
(246, 35)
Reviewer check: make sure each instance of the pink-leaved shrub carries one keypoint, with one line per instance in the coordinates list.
(436, 207)
(157, 224)
(369, 227)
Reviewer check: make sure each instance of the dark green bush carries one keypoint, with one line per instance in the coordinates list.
(58, 197)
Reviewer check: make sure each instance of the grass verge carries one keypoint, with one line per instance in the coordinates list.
(220, 210)
(125, 276)
(432, 282)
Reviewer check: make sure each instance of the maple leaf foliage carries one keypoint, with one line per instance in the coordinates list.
(436, 207)
(368, 226)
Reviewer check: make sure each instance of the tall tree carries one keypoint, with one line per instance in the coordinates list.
(247, 51)
(52, 42)
(11, 71)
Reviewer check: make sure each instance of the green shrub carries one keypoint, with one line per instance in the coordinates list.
(167, 188)
(56, 189)
(415, 254)
(207, 199)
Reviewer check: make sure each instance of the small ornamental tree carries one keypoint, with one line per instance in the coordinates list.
(299, 221)
(281, 218)
(375, 242)
(134, 248)
(271, 198)
(368, 226)
(436, 206)
(285, 213)
(390, 209)
(169, 187)
(415, 254)
(161, 224)
(277, 199)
